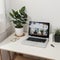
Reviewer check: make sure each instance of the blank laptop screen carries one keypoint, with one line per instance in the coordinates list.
(39, 29)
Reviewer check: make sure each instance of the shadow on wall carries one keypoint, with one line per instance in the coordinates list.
(6, 33)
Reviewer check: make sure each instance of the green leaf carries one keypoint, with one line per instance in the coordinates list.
(24, 22)
(57, 32)
(13, 11)
(15, 22)
(11, 15)
(25, 19)
(17, 15)
(22, 10)
(25, 15)
(16, 12)
(18, 26)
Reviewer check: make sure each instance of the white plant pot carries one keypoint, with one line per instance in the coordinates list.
(19, 31)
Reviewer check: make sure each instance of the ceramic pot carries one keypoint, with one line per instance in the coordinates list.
(19, 31)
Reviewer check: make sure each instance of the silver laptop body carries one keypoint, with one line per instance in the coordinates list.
(36, 31)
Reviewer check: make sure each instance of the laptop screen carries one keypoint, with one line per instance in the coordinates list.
(39, 29)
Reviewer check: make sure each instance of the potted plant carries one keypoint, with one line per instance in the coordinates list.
(57, 35)
(41, 32)
(19, 19)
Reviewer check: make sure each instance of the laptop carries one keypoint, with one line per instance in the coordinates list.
(38, 34)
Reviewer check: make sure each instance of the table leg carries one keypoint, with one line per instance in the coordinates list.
(9, 55)
(0, 55)
(5, 55)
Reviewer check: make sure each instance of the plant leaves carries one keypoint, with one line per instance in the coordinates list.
(25, 15)
(11, 15)
(22, 10)
(57, 32)
(13, 11)
(15, 22)
(20, 17)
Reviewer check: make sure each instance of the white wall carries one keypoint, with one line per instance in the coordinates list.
(5, 28)
(2, 16)
(41, 10)
(7, 10)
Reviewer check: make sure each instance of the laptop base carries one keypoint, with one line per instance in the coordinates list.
(35, 44)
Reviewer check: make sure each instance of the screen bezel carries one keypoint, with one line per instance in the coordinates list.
(38, 35)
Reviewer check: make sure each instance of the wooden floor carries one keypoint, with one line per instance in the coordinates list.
(23, 58)
(18, 57)
(0, 54)
(0, 57)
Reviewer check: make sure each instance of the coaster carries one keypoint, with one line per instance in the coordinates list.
(21, 35)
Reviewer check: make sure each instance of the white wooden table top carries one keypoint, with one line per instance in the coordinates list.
(49, 52)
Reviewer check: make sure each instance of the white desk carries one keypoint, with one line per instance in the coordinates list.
(48, 52)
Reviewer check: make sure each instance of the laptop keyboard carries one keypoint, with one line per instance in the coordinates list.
(36, 39)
